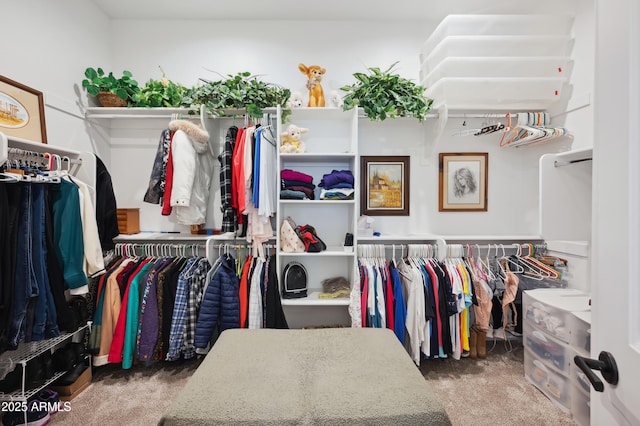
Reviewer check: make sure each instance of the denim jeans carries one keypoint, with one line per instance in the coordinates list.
(26, 286)
(45, 322)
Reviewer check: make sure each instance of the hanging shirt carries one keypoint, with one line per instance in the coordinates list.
(131, 328)
(400, 309)
(196, 290)
(178, 320)
(229, 216)
(268, 189)
(255, 296)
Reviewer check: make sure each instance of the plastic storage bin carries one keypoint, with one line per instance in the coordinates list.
(580, 407)
(552, 352)
(496, 93)
(498, 67)
(555, 386)
(580, 332)
(491, 46)
(552, 310)
(498, 25)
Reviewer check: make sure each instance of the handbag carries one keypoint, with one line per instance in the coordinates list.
(289, 240)
(309, 236)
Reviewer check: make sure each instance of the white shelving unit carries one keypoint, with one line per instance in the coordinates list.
(25, 353)
(331, 144)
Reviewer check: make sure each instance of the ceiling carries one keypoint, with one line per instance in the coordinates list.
(293, 9)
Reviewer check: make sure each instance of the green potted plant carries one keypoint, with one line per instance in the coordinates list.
(242, 90)
(110, 91)
(383, 94)
(160, 93)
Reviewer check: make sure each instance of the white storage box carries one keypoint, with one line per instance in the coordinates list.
(555, 386)
(497, 66)
(551, 310)
(491, 46)
(580, 407)
(498, 25)
(552, 352)
(580, 332)
(496, 93)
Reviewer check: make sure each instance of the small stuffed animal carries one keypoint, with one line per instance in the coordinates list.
(291, 140)
(295, 100)
(335, 100)
(314, 75)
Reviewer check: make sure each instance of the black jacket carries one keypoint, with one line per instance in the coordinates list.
(106, 208)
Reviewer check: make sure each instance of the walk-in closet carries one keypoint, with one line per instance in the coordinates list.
(490, 239)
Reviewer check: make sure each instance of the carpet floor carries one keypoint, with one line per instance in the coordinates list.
(475, 392)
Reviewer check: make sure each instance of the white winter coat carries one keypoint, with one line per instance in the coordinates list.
(192, 172)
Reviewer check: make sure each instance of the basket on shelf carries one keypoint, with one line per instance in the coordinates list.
(109, 99)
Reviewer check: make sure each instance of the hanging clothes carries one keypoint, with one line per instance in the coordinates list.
(220, 304)
(192, 172)
(229, 215)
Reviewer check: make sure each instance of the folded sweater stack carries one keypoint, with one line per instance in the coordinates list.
(337, 185)
(296, 185)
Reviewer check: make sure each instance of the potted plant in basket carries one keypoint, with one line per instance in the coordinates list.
(382, 94)
(110, 91)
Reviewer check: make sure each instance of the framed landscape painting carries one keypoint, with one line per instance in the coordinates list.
(21, 111)
(385, 185)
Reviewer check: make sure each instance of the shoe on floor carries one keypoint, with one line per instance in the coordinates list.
(49, 397)
(34, 418)
(490, 333)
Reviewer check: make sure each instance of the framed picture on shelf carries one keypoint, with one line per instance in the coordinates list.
(463, 182)
(21, 111)
(385, 185)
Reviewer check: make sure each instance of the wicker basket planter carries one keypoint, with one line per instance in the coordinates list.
(108, 99)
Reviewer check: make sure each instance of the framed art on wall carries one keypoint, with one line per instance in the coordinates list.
(385, 186)
(463, 182)
(21, 111)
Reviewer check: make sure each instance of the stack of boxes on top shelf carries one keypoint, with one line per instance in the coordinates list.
(557, 326)
(497, 62)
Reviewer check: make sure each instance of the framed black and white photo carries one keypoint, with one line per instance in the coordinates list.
(463, 181)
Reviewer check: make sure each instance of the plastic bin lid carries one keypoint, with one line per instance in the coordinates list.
(565, 299)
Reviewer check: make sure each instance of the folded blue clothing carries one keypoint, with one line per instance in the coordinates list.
(340, 185)
(288, 194)
(336, 176)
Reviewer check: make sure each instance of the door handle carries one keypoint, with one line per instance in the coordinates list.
(605, 363)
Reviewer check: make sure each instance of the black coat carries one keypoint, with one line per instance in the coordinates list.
(106, 208)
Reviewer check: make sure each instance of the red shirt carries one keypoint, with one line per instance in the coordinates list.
(166, 204)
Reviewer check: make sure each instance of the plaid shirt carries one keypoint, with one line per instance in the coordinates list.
(229, 217)
(196, 291)
(178, 320)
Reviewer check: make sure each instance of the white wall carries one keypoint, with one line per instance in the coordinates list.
(72, 35)
(273, 50)
(54, 41)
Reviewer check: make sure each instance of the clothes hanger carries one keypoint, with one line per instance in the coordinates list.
(543, 268)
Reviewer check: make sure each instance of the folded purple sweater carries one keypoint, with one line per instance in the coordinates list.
(336, 176)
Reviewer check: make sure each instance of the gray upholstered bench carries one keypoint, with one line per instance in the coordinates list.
(339, 376)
